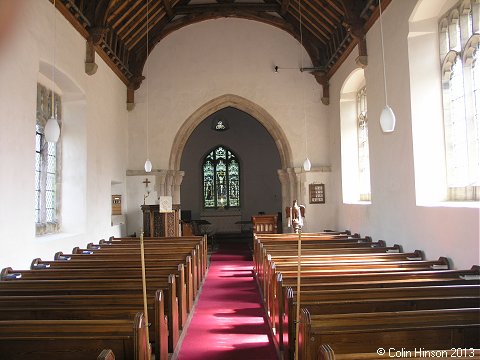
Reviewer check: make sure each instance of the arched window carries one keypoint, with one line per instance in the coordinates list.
(354, 140)
(221, 179)
(460, 75)
(47, 165)
(363, 151)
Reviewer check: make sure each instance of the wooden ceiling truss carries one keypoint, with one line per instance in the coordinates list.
(116, 29)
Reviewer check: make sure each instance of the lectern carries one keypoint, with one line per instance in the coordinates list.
(160, 224)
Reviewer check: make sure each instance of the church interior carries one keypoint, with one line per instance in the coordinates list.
(223, 111)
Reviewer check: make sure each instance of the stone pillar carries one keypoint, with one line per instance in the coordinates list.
(293, 183)
(169, 183)
(177, 182)
(285, 184)
(160, 181)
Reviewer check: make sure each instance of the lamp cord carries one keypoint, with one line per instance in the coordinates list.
(303, 85)
(383, 54)
(148, 91)
(54, 58)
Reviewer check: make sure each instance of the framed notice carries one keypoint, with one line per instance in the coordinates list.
(116, 204)
(317, 193)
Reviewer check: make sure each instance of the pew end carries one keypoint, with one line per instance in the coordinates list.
(37, 263)
(443, 264)
(61, 257)
(418, 255)
(8, 274)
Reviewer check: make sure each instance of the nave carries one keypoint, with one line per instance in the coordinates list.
(229, 320)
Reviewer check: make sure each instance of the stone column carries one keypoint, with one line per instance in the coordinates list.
(293, 183)
(169, 183)
(177, 182)
(160, 180)
(285, 184)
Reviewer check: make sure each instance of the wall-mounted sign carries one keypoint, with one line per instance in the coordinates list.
(317, 193)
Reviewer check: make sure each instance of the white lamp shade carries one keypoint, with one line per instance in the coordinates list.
(307, 165)
(52, 130)
(148, 166)
(387, 119)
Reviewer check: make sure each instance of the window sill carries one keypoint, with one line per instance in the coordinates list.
(452, 204)
(55, 236)
(359, 202)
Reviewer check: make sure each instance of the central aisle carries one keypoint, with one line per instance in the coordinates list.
(229, 320)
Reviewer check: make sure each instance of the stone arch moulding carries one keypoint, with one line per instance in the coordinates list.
(240, 103)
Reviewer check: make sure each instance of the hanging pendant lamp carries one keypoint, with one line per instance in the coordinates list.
(148, 163)
(52, 128)
(387, 117)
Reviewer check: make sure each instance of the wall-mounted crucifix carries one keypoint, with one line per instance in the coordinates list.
(147, 189)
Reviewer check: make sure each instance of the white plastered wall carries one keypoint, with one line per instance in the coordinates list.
(394, 215)
(95, 129)
(218, 57)
(229, 56)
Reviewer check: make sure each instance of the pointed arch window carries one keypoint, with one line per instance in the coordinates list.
(221, 178)
(459, 45)
(47, 165)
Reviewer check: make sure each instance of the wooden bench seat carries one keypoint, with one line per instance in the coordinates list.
(91, 307)
(103, 287)
(429, 329)
(183, 292)
(200, 241)
(342, 282)
(270, 287)
(131, 258)
(368, 300)
(274, 263)
(73, 339)
(261, 260)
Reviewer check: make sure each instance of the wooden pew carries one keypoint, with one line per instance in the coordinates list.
(103, 287)
(366, 300)
(428, 329)
(112, 273)
(342, 282)
(153, 257)
(339, 268)
(261, 250)
(115, 271)
(276, 262)
(200, 242)
(261, 258)
(73, 339)
(90, 307)
(186, 283)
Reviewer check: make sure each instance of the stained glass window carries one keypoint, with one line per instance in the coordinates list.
(221, 179)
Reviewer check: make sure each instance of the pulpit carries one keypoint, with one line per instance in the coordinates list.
(161, 224)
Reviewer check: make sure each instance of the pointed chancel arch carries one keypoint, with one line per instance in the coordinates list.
(239, 103)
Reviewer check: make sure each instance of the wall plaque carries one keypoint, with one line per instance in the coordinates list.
(116, 204)
(317, 193)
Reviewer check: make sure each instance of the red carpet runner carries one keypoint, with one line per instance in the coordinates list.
(229, 320)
